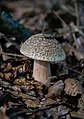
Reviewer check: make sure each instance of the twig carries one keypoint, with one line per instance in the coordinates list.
(74, 37)
(76, 29)
(61, 30)
(77, 12)
(73, 70)
(69, 49)
(42, 109)
(78, 115)
(43, 28)
(11, 54)
(9, 40)
(52, 77)
(68, 9)
(63, 22)
(30, 111)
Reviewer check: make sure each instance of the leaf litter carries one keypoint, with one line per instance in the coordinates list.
(21, 97)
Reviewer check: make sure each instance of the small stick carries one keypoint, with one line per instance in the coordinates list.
(63, 22)
(73, 70)
(77, 12)
(75, 28)
(11, 54)
(74, 37)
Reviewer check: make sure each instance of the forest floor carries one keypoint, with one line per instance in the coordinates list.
(21, 97)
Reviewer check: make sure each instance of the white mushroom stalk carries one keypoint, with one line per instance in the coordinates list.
(44, 49)
(41, 71)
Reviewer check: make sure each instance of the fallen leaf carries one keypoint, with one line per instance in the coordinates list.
(3, 112)
(73, 87)
(56, 89)
(33, 103)
(48, 101)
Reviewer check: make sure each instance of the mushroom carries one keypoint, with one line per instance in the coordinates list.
(44, 49)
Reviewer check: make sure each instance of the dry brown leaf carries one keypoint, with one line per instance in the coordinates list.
(3, 65)
(25, 67)
(33, 103)
(77, 115)
(72, 87)
(48, 101)
(3, 112)
(1, 75)
(6, 76)
(30, 101)
(38, 85)
(53, 112)
(8, 67)
(24, 83)
(20, 81)
(25, 97)
(28, 86)
(56, 89)
(63, 110)
(81, 102)
(68, 116)
(69, 49)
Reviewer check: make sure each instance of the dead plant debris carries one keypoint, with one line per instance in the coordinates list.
(22, 97)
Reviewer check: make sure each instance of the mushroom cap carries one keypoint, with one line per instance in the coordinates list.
(43, 47)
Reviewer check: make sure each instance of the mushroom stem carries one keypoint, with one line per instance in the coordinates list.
(41, 71)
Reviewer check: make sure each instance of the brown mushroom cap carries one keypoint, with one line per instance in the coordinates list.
(43, 47)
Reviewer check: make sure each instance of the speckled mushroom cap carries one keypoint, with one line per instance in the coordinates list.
(43, 47)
